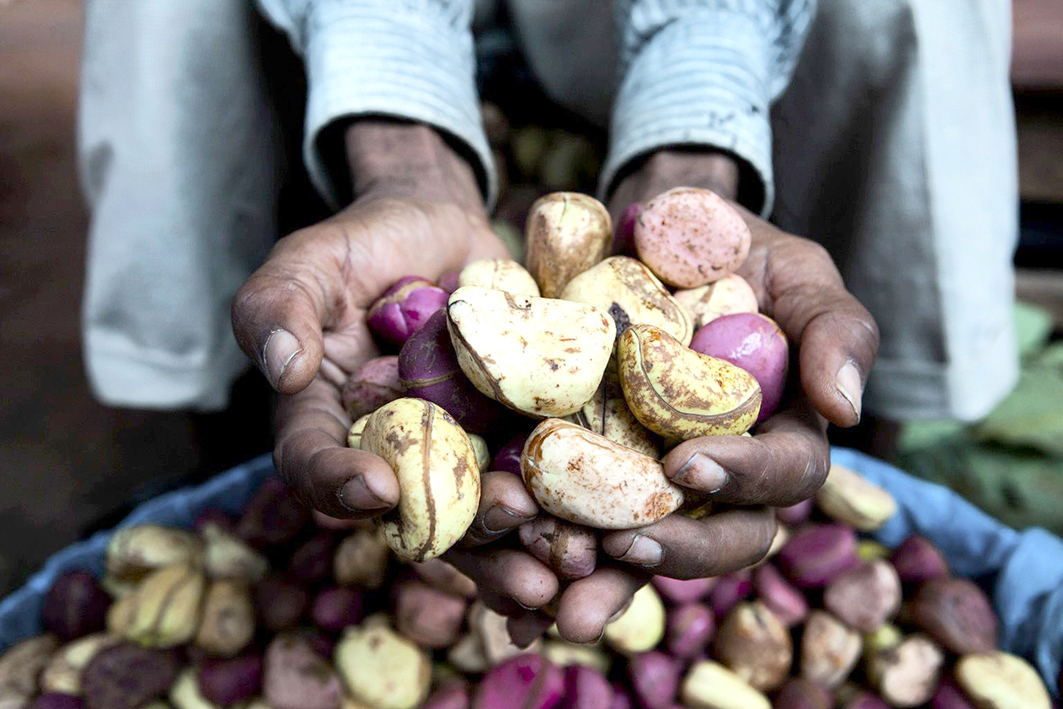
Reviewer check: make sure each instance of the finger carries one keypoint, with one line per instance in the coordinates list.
(446, 578)
(785, 463)
(684, 548)
(280, 312)
(311, 456)
(588, 605)
(526, 626)
(510, 573)
(836, 336)
(504, 505)
(326, 522)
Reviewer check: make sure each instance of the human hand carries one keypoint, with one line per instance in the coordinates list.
(835, 340)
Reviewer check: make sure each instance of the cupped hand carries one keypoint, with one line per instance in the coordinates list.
(834, 339)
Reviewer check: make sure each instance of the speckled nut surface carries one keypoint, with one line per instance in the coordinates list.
(566, 234)
(829, 649)
(498, 274)
(585, 478)
(731, 294)
(641, 627)
(569, 549)
(756, 645)
(907, 675)
(679, 393)
(439, 482)
(849, 498)
(999, 680)
(607, 414)
(383, 669)
(539, 356)
(691, 237)
(627, 290)
(865, 597)
(710, 685)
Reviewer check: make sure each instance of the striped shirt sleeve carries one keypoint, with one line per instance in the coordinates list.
(410, 59)
(703, 72)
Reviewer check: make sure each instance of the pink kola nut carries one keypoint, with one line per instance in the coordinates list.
(865, 597)
(786, 602)
(624, 241)
(527, 681)
(729, 590)
(755, 343)
(690, 237)
(336, 608)
(452, 694)
(655, 679)
(428, 616)
(586, 688)
(569, 549)
(228, 681)
(404, 308)
(371, 386)
(949, 696)
(918, 560)
(818, 553)
(690, 629)
(683, 590)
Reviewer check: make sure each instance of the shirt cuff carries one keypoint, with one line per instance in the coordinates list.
(702, 80)
(365, 58)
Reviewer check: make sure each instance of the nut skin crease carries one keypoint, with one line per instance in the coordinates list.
(679, 393)
(565, 235)
(587, 479)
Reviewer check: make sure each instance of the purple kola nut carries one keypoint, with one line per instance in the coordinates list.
(449, 281)
(816, 554)
(336, 608)
(371, 386)
(755, 343)
(786, 602)
(621, 698)
(655, 678)
(527, 681)
(795, 514)
(866, 700)
(279, 601)
(586, 688)
(624, 241)
(949, 696)
(452, 694)
(55, 700)
(428, 616)
(273, 516)
(690, 629)
(312, 561)
(866, 596)
(428, 368)
(404, 308)
(801, 693)
(507, 458)
(683, 590)
(957, 614)
(127, 676)
(918, 560)
(228, 681)
(729, 590)
(75, 605)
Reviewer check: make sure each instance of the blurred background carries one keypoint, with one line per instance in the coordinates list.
(69, 465)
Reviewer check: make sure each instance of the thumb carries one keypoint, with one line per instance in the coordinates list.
(278, 317)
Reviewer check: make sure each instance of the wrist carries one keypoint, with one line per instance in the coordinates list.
(661, 171)
(397, 159)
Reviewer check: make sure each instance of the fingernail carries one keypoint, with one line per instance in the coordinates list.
(850, 386)
(280, 349)
(702, 473)
(356, 496)
(642, 552)
(499, 519)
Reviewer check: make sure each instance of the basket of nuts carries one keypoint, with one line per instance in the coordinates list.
(575, 374)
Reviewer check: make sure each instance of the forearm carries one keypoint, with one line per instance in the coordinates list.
(411, 160)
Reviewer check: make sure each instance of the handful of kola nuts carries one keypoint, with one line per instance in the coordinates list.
(614, 365)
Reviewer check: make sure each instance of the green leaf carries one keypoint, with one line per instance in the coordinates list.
(1033, 326)
(1032, 415)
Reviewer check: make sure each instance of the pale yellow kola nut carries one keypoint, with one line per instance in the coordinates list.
(755, 645)
(439, 480)
(498, 274)
(710, 685)
(587, 479)
(228, 622)
(679, 393)
(184, 693)
(383, 669)
(492, 631)
(566, 233)
(727, 296)
(829, 649)
(63, 673)
(639, 628)
(483, 455)
(690, 237)
(539, 356)
(886, 637)
(354, 435)
(607, 414)
(563, 654)
(229, 557)
(1000, 680)
(468, 654)
(166, 607)
(632, 295)
(907, 674)
(870, 550)
(134, 551)
(22, 663)
(361, 559)
(849, 498)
